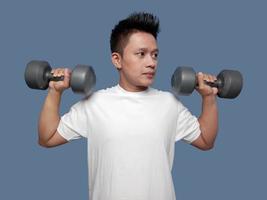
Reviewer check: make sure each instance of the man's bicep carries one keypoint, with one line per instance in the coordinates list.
(200, 143)
(56, 140)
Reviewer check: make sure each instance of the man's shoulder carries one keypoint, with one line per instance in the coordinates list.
(104, 91)
(164, 93)
(99, 94)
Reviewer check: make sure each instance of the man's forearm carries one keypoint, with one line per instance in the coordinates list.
(209, 120)
(49, 117)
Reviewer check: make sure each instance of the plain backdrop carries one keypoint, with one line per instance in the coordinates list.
(209, 35)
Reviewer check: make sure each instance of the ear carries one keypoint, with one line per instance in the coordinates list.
(116, 60)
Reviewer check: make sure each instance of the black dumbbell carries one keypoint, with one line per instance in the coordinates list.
(229, 82)
(38, 74)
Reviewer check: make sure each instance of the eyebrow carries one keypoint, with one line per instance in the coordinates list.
(146, 49)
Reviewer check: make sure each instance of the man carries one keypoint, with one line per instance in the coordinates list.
(131, 127)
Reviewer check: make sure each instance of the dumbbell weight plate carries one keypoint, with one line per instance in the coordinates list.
(232, 84)
(183, 80)
(35, 74)
(83, 79)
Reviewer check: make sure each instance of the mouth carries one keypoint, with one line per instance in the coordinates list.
(149, 75)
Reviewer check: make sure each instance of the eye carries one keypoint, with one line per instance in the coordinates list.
(141, 54)
(155, 55)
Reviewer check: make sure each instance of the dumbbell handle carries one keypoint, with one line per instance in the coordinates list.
(218, 83)
(50, 77)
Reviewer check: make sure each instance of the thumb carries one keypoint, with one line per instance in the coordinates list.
(215, 90)
(200, 80)
(67, 74)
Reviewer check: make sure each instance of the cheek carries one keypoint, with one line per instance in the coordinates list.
(133, 72)
(132, 67)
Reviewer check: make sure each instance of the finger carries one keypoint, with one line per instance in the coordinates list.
(66, 76)
(54, 72)
(67, 73)
(58, 72)
(205, 78)
(210, 78)
(200, 79)
(215, 90)
(213, 78)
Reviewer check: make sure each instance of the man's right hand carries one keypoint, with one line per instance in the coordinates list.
(60, 86)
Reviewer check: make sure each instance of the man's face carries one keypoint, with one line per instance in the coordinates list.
(137, 65)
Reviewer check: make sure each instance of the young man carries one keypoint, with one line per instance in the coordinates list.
(131, 127)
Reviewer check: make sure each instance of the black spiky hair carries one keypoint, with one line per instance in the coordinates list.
(137, 21)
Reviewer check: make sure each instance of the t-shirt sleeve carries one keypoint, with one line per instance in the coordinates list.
(74, 124)
(188, 128)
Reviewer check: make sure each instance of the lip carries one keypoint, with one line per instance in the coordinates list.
(149, 75)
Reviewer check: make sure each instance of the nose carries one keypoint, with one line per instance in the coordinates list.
(151, 62)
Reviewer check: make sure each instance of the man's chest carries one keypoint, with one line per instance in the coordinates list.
(135, 120)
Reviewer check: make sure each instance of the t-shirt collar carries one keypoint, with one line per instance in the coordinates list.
(140, 93)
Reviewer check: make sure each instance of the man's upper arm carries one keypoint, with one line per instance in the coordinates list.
(55, 140)
(200, 143)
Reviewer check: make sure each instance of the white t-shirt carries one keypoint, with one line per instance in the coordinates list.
(131, 139)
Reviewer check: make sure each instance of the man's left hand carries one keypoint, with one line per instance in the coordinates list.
(203, 89)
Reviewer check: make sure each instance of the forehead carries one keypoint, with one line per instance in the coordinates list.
(138, 40)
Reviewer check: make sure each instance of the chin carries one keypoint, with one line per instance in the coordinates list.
(146, 84)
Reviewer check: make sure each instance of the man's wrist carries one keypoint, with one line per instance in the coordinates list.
(211, 99)
(54, 92)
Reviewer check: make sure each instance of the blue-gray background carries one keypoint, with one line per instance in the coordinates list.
(209, 35)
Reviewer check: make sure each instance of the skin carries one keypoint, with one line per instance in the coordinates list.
(49, 116)
(139, 57)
